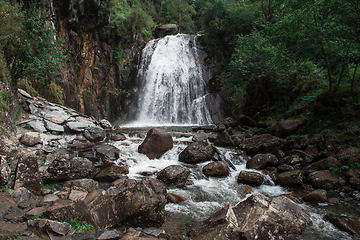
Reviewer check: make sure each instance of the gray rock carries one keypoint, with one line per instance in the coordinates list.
(111, 172)
(76, 195)
(347, 153)
(250, 178)
(118, 137)
(105, 124)
(108, 152)
(262, 161)
(258, 217)
(21, 194)
(78, 126)
(5, 171)
(58, 117)
(95, 134)
(174, 175)
(53, 126)
(25, 94)
(216, 169)
(156, 143)
(174, 198)
(38, 126)
(30, 138)
(49, 198)
(197, 152)
(200, 135)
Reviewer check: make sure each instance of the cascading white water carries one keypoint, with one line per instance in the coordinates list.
(173, 89)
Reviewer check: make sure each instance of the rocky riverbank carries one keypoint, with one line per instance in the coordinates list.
(60, 172)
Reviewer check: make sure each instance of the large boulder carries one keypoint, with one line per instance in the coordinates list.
(49, 229)
(95, 134)
(285, 128)
(174, 175)
(197, 152)
(344, 154)
(258, 217)
(101, 208)
(84, 184)
(216, 169)
(108, 152)
(111, 172)
(251, 178)
(27, 173)
(142, 205)
(316, 196)
(156, 143)
(264, 143)
(262, 161)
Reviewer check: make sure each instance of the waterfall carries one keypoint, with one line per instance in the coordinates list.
(173, 88)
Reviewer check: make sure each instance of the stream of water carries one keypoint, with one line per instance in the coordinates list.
(207, 194)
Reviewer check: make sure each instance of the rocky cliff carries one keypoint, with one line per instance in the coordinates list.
(93, 81)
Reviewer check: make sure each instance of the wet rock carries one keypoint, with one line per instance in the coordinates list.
(27, 173)
(86, 184)
(197, 152)
(67, 168)
(101, 208)
(324, 180)
(156, 143)
(108, 152)
(285, 128)
(48, 229)
(244, 190)
(166, 29)
(216, 169)
(142, 205)
(174, 175)
(95, 134)
(79, 126)
(262, 161)
(344, 223)
(292, 178)
(304, 156)
(316, 196)
(200, 135)
(264, 143)
(347, 153)
(258, 217)
(30, 138)
(174, 198)
(111, 172)
(105, 124)
(250, 178)
(118, 137)
(224, 140)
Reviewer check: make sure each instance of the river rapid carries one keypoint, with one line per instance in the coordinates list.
(206, 195)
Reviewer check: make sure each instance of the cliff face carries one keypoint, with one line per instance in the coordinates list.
(92, 81)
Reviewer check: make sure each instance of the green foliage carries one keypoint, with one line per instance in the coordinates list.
(50, 186)
(55, 93)
(5, 188)
(40, 215)
(339, 169)
(3, 101)
(80, 226)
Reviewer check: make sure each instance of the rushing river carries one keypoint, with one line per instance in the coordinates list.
(207, 195)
